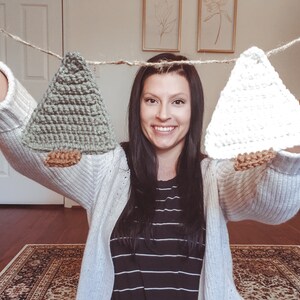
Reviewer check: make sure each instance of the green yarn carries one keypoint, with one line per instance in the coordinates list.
(71, 115)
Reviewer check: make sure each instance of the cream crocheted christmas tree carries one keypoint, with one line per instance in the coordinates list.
(255, 112)
(71, 118)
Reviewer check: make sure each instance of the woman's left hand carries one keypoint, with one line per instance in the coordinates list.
(295, 149)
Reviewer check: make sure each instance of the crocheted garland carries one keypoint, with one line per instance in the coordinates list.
(71, 118)
(255, 112)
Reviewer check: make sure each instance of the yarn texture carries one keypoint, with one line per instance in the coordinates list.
(71, 115)
(255, 111)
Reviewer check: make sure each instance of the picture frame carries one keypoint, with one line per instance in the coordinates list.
(217, 26)
(161, 25)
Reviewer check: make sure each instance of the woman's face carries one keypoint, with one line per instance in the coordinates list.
(166, 111)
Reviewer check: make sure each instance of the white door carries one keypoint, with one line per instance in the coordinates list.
(40, 22)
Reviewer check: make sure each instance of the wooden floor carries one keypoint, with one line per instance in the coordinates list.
(21, 225)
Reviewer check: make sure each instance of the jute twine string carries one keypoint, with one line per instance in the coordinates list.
(148, 64)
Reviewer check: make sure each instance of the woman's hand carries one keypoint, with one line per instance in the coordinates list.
(3, 86)
(295, 149)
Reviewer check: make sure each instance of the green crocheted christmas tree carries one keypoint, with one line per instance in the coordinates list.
(71, 119)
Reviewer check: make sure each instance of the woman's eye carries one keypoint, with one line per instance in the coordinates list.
(150, 100)
(178, 102)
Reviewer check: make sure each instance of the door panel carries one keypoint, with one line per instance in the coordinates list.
(2, 25)
(38, 22)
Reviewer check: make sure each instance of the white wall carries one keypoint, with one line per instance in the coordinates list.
(111, 30)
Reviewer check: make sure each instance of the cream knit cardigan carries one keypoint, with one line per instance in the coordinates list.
(100, 183)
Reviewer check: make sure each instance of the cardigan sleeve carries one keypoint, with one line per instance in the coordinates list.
(268, 194)
(80, 182)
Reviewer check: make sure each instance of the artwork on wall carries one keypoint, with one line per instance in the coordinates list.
(216, 25)
(161, 25)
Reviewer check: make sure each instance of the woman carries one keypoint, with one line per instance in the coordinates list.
(157, 210)
(165, 206)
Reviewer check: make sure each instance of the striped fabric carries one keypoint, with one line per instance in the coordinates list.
(160, 269)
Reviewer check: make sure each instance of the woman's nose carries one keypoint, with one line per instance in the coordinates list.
(163, 113)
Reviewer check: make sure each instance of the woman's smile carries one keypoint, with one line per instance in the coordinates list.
(164, 129)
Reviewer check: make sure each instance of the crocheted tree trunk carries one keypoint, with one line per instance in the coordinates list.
(251, 160)
(62, 158)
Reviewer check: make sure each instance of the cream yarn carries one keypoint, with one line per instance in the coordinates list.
(255, 111)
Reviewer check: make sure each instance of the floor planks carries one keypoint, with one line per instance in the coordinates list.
(44, 224)
(49, 224)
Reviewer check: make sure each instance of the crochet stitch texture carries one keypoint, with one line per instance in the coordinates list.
(255, 111)
(71, 115)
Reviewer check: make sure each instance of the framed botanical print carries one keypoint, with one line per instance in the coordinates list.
(217, 25)
(161, 25)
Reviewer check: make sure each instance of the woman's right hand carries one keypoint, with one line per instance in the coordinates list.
(3, 86)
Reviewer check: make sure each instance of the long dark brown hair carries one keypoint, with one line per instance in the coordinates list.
(142, 161)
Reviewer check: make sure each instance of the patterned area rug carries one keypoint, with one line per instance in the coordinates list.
(41, 272)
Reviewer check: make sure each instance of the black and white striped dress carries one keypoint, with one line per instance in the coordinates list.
(162, 269)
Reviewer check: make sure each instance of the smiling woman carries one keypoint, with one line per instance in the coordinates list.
(164, 212)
